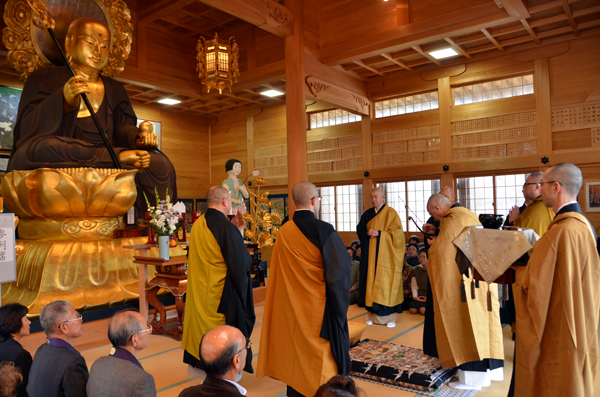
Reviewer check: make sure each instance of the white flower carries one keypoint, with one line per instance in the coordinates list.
(255, 173)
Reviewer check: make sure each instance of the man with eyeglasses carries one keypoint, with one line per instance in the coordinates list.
(557, 315)
(382, 240)
(223, 351)
(304, 339)
(535, 215)
(219, 289)
(58, 369)
(120, 373)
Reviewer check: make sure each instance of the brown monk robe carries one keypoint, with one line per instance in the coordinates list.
(54, 128)
(466, 332)
(557, 317)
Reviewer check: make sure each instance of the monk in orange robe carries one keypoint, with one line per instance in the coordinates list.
(557, 317)
(304, 340)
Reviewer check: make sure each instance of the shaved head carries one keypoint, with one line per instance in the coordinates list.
(303, 192)
(448, 191)
(377, 197)
(569, 175)
(216, 194)
(438, 205)
(219, 347)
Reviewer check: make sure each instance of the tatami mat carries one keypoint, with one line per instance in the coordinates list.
(164, 358)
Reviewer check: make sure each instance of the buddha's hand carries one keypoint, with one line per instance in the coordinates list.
(72, 91)
(135, 158)
(147, 140)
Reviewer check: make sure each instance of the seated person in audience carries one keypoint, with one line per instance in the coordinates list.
(354, 279)
(10, 377)
(418, 283)
(414, 239)
(410, 260)
(358, 252)
(355, 244)
(120, 373)
(13, 326)
(223, 352)
(340, 385)
(58, 369)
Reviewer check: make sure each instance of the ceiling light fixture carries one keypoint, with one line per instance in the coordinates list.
(169, 101)
(445, 53)
(271, 93)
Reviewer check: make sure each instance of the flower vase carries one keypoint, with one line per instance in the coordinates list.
(163, 247)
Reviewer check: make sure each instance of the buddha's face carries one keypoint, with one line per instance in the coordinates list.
(88, 43)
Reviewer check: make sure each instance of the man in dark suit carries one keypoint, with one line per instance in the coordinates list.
(223, 352)
(120, 373)
(58, 368)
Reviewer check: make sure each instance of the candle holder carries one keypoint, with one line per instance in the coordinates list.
(151, 239)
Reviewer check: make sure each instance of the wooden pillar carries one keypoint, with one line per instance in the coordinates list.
(445, 103)
(541, 87)
(295, 102)
(368, 185)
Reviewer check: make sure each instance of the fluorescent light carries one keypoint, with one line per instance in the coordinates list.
(445, 53)
(271, 93)
(168, 101)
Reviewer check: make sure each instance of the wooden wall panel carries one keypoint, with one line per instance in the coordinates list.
(228, 140)
(428, 117)
(270, 127)
(575, 76)
(185, 142)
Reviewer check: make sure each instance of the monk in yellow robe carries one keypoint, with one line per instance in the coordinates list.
(219, 289)
(557, 317)
(536, 215)
(304, 340)
(383, 246)
(467, 334)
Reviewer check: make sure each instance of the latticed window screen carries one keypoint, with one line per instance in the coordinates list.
(407, 104)
(505, 88)
(327, 213)
(341, 206)
(509, 192)
(477, 194)
(332, 117)
(416, 194)
(491, 194)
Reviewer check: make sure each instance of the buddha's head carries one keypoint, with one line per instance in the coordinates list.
(88, 44)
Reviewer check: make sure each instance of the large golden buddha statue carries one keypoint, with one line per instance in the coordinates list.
(54, 128)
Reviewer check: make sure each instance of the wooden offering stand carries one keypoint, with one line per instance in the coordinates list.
(172, 274)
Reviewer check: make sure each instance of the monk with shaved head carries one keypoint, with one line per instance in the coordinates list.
(557, 312)
(219, 289)
(462, 334)
(304, 339)
(383, 246)
(223, 352)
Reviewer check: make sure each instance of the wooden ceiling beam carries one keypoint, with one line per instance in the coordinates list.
(372, 69)
(492, 39)
(418, 49)
(569, 13)
(397, 62)
(516, 8)
(162, 8)
(458, 48)
(530, 31)
(564, 17)
(266, 14)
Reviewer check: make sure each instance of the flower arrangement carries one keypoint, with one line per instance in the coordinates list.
(260, 222)
(163, 218)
